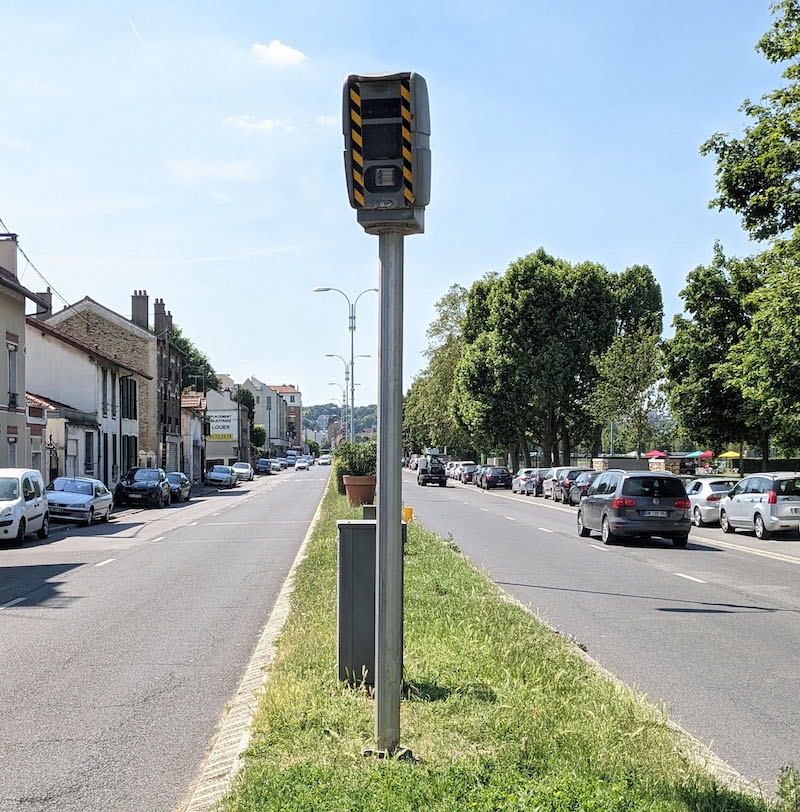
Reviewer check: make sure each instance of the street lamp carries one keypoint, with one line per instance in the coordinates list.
(345, 421)
(351, 307)
(344, 396)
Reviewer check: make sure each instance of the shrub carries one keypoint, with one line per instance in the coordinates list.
(359, 459)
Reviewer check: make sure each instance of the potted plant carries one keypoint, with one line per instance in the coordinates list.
(356, 467)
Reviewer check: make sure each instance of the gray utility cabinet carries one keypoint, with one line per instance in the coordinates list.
(357, 547)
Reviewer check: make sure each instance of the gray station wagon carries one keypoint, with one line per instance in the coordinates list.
(636, 504)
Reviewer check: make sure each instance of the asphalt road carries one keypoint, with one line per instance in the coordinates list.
(713, 629)
(121, 644)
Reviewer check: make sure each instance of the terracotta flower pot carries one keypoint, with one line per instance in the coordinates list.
(360, 490)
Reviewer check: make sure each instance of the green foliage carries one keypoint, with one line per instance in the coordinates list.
(313, 447)
(757, 174)
(258, 435)
(355, 459)
(196, 366)
(247, 398)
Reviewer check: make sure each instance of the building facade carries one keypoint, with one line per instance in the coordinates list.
(228, 424)
(293, 399)
(269, 411)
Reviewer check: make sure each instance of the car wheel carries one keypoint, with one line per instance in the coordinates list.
(107, 514)
(605, 532)
(680, 541)
(19, 540)
(761, 531)
(724, 523)
(697, 518)
(89, 518)
(443, 484)
(583, 530)
(45, 528)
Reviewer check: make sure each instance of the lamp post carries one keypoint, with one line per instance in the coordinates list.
(345, 421)
(351, 307)
(344, 399)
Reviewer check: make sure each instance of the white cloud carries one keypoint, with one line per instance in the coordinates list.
(267, 125)
(211, 170)
(276, 53)
(329, 121)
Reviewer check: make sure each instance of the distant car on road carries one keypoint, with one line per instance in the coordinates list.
(495, 477)
(222, 475)
(580, 487)
(263, 466)
(564, 482)
(79, 499)
(325, 459)
(143, 486)
(535, 482)
(23, 505)
(301, 464)
(179, 485)
(520, 480)
(243, 470)
(705, 495)
(275, 466)
(467, 472)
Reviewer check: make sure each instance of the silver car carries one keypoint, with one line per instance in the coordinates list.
(705, 495)
(79, 499)
(221, 475)
(764, 503)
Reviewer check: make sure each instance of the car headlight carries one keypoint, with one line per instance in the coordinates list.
(6, 511)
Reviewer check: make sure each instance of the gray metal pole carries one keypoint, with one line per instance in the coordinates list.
(389, 562)
(352, 372)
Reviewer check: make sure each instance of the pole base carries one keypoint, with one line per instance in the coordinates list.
(401, 753)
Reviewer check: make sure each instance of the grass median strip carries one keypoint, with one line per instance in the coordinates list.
(499, 711)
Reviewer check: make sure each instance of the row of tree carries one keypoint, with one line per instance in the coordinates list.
(549, 353)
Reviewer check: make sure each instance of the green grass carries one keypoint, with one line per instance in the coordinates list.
(500, 712)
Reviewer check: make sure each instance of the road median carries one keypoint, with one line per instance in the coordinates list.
(500, 712)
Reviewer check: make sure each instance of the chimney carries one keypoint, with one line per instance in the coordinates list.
(8, 255)
(45, 314)
(169, 321)
(140, 306)
(159, 316)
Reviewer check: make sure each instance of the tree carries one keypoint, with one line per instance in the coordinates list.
(196, 368)
(757, 174)
(246, 397)
(702, 391)
(258, 435)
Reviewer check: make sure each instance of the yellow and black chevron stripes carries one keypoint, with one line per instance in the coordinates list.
(405, 112)
(356, 144)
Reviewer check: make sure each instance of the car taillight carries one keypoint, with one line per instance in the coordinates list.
(621, 502)
(684, 504)
(566, 483)
(772, 498)
(714, 497)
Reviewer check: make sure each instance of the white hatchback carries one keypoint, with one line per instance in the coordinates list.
(23, 505)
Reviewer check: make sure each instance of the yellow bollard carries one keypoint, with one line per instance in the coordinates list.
(408, 514)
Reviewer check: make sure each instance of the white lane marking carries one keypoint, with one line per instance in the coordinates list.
(465, 503)
(107, 561)
(12, 603)
(545, 530)
(453, 498)
(598, 547)
(789, 559)
(689, 578)
(160, 538)
(194, 524)
(510, 519)
(485, 509)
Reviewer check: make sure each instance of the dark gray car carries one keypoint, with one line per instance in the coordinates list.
(636, 504)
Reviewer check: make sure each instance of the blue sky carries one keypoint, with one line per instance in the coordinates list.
(194, 149)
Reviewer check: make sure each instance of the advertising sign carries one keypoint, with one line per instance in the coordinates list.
(223, 426)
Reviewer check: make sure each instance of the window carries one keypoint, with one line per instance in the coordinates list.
(128, 398)
(12, 375)
(291, 398)
(113, 394)
(88, 464)
(12, 454)
(105, 392)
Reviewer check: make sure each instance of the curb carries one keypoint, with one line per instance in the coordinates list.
(225, 757)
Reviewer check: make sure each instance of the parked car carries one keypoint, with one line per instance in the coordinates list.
(243, 470)
(550, 479)
(263, 466)
(79, 499)
(535, 482)
(275, 466)
(764, 503)
(467, 472)
(301, 464)
(476, 476)
(142, 486)
(23, 505)
(283, 462)
(705, 495)
(638, 504)
(222, 475)
(579, 488)
(564, 482)
(325, 459)
(520, 480)
(495, 477)
(180, 487)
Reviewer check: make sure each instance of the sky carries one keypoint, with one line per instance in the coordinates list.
(194, 150)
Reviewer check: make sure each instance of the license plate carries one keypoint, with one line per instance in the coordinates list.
(655, 514)
(134, 495)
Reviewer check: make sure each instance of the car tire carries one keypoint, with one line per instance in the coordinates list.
(761, 531)
(583, 530)
(19, 539)
(605, 532)
(107, 515)
(724, 522)
(443, 484)
(43, 531)
(697, 518)
(680, 541)
(90, 518)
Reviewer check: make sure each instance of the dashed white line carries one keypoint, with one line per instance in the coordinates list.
(510, 519)
(598, 547)
(689, 578)
(160, 538)
(107, 561)
(193, 524)
(465, 503)
(12, 603)
(485, 509)
(544, 530)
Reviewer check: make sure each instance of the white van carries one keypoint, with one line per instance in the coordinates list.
(23, 505)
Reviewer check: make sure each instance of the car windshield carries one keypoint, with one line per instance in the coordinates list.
(9, 488)
(241, 466)
(221, 469)
(71, 486)
(145, 475)
(499, 470)
(176, 478)
(653, 486)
